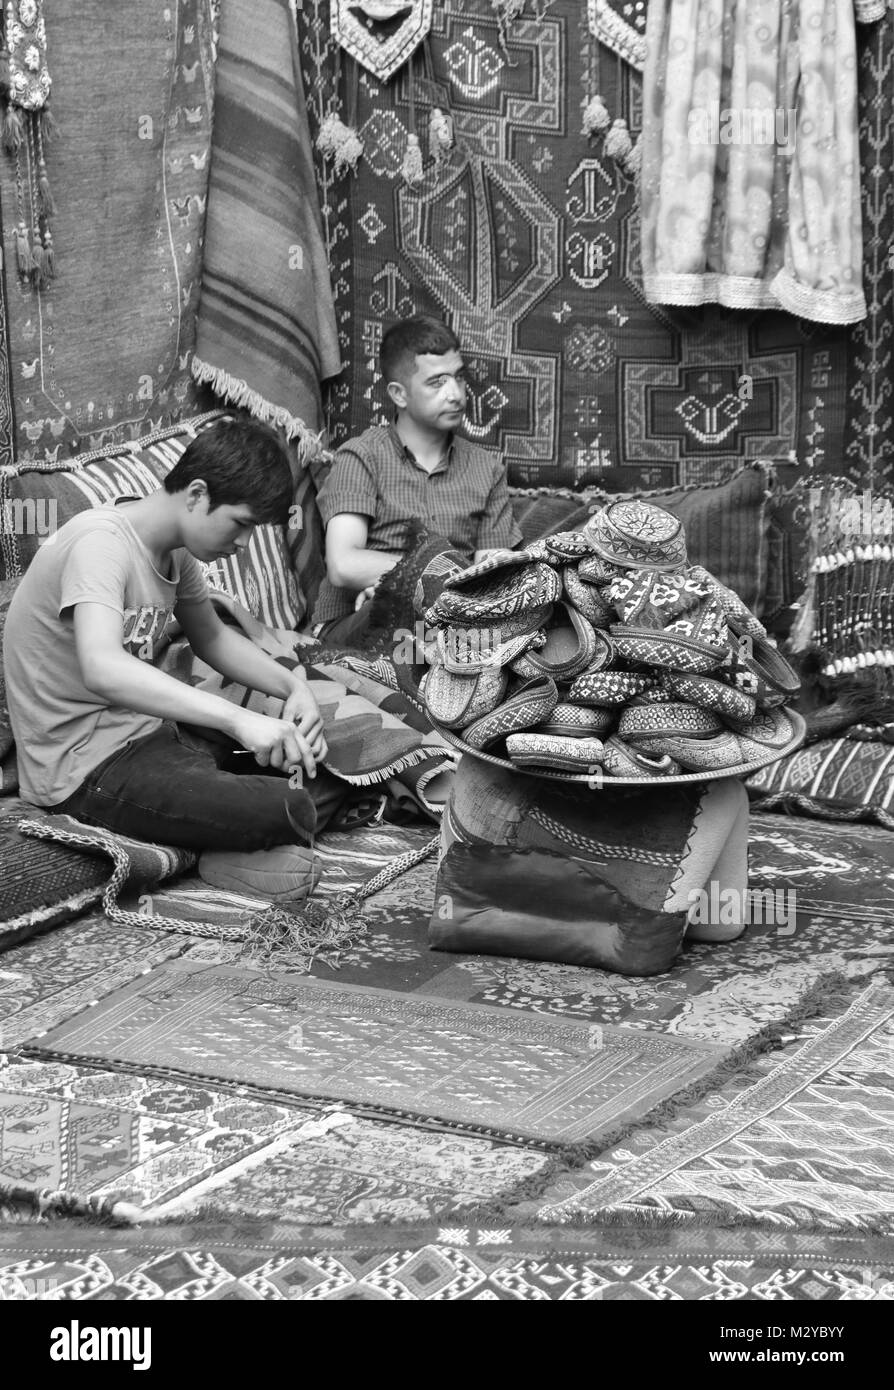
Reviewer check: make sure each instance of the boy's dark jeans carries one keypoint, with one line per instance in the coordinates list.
(176, 787)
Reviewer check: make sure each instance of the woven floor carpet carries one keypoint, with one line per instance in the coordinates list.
(842, 878)
(165, 1146)
(808, 1145)
(443, 1264)
(480, 1068)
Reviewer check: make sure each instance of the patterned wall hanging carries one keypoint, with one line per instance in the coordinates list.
(381, 34)
(27, 124)
(525, 237)
(621, 26)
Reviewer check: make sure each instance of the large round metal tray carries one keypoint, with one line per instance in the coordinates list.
(606, 782)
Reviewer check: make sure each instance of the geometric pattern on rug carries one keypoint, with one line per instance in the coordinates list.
(475, 1067)
(841, 875)
(52, 977)
(809, 1145)
(165, 1146)
(442, 1265)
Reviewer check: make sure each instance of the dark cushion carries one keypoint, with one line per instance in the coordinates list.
(726, 523)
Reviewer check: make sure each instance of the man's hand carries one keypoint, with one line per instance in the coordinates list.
(364, 597)
(274, 742)
(302, 710)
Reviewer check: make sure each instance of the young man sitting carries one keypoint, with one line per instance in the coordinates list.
(414, 469)
(105, 736)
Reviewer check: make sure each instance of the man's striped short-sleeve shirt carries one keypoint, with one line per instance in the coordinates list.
(466, 499)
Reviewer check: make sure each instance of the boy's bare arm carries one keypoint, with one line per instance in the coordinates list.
(349, 564)
(115, 676)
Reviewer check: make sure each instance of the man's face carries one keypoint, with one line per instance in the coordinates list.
(212, 535)
(435, 394)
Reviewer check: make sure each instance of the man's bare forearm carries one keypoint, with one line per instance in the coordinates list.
(358, 569)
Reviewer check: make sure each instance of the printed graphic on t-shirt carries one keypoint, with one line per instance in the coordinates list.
(144, 628)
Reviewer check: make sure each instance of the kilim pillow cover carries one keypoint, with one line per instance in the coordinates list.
(37, 498)
(836, 778)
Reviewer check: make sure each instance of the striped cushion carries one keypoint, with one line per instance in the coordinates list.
(832, 774)
(37, 498)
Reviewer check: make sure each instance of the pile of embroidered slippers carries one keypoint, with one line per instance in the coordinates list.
(605, 649)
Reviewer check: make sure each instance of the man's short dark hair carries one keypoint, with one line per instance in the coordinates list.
(240, 461)
(412, 338)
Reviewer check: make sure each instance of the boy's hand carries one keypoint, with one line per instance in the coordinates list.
(302, 710)
(364, 597)
(274, 742)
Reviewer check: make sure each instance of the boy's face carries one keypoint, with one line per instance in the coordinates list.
(435, 394)
(213, 534)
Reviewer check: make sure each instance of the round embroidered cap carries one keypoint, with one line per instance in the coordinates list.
(637, 535)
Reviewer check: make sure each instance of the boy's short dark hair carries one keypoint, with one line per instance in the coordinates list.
(239, 461)
(412, 338)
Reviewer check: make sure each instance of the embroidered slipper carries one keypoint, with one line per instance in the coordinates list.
(569, 545)
(530, 704)
(753, 652)
(586, 598)
(731, 704)
(507, 592)
(636, 534)
(555, 751)
(732, 605)
(710, 754)
(769, 731)
(570, 647)
(454, 700)
(620, 761)
(655, 600)
(466, 651)
(578, 721)
(667, 650)
(608, 688)
(494, 563)
(673, 718)
(594, 570)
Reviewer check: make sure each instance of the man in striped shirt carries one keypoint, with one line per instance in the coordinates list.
(413, 470)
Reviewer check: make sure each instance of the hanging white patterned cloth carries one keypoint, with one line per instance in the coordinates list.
(750, 193)
(381, 34)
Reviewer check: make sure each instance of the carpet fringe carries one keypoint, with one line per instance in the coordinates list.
(234, 389)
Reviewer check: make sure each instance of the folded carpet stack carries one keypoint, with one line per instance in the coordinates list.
(603, 649)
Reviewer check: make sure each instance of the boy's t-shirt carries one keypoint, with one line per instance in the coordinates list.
(465, 499)
(63, 730)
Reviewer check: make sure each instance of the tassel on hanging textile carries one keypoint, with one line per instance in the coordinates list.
(340, 142)
(13, 130)
(440, 135)
(618, 144)
(412, 168)
(506, 11)
(24, 258)
(27, 124)
(596, 119)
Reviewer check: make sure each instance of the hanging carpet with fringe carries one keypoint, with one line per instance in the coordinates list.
(266, 332)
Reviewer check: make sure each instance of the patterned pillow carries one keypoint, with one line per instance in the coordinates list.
(9, 781)
(726, 523)
(840, 779)
(37, 498)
